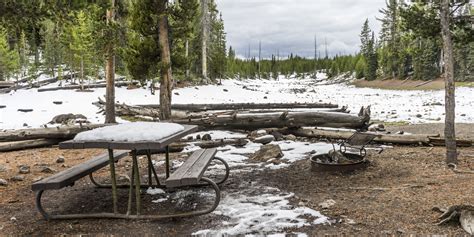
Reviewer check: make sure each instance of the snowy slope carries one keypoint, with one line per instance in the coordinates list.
(387, 105)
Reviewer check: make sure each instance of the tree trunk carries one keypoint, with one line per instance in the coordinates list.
(415, 139)
(205, 35)
(63, 132)
(450, 103)
(81, 82)
(247, 106)
(28, 144)
(253, 121)
(110, 74)
(187, 58)
(166, 76)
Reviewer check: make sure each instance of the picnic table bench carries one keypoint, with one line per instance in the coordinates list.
(189, 174)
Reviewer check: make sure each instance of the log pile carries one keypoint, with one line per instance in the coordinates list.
(253, 116)
(397, 139)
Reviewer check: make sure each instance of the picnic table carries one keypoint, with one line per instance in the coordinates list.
(120, 144)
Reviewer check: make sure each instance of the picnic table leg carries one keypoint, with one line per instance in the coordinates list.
(167, 149)
(150, 164)
(137, 181)
(130, 192)
(114, 181)
(151, 168)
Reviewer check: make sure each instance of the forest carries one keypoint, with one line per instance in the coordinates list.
(55, 37)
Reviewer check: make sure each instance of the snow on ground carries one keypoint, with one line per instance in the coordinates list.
(266, 212)
(238, 157)
(255, 210)
(387, 105)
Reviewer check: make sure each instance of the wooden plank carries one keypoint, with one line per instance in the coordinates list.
(67, 177)
(175, 179)
(194, 174)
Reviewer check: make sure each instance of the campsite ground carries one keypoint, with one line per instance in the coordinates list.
(394, 195)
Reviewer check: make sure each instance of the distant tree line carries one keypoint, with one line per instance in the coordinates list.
(74, 36)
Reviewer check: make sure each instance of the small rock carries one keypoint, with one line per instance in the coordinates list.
(225, 90)
(25, 125)
(264, 139)
(278, 136)
(261, 132)
(13, 218)
(327, 204)
(37, 179)
(463, 115)
(2, 106)
(419, 115)
(46, 169)
(18, 178)
(3, 182)
(206, 137)
(3, 168)
(24, 169)
(290, 137)
(57, 102)
(198, 137)
(350, 222)
(265, 97)
(176, 93)
(60, 160)
(267, 152)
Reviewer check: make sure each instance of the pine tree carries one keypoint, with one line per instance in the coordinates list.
(81, 44)
(390, 39)
(9, 58)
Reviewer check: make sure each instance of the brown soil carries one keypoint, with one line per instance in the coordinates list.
(394, 195)
(395, 84)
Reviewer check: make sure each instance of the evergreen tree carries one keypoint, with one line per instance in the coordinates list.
(9, 58)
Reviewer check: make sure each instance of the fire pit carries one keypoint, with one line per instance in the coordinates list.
(343, 163)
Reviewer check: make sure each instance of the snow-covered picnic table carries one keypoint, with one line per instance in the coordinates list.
(134, 137)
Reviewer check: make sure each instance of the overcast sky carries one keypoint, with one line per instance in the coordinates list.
(290, 25)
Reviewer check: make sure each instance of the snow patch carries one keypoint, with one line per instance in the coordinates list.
(267, 212)
(131, 132)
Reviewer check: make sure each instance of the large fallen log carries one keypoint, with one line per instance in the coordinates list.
(36, 84)
(89, 86)
(245, 106)
(247, 121)
(177, 112)
(413, 139)
(174, 147)
(27, 144)
(58, 133)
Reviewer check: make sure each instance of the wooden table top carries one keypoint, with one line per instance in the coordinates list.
(140, 145)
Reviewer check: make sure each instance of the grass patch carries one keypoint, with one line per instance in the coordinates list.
(464, 84)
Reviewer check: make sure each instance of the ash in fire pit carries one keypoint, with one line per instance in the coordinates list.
(335, 161)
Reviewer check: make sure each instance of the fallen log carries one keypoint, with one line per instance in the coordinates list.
(36, 84)
(246, 106)
(418, 139)
(151, 111)
(28, 144)
(247, 121)
(58, 133)
(90, 86)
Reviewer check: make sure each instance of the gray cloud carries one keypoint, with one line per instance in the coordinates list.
(290, 25)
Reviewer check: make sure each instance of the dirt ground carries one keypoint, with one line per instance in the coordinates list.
(394, 195)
